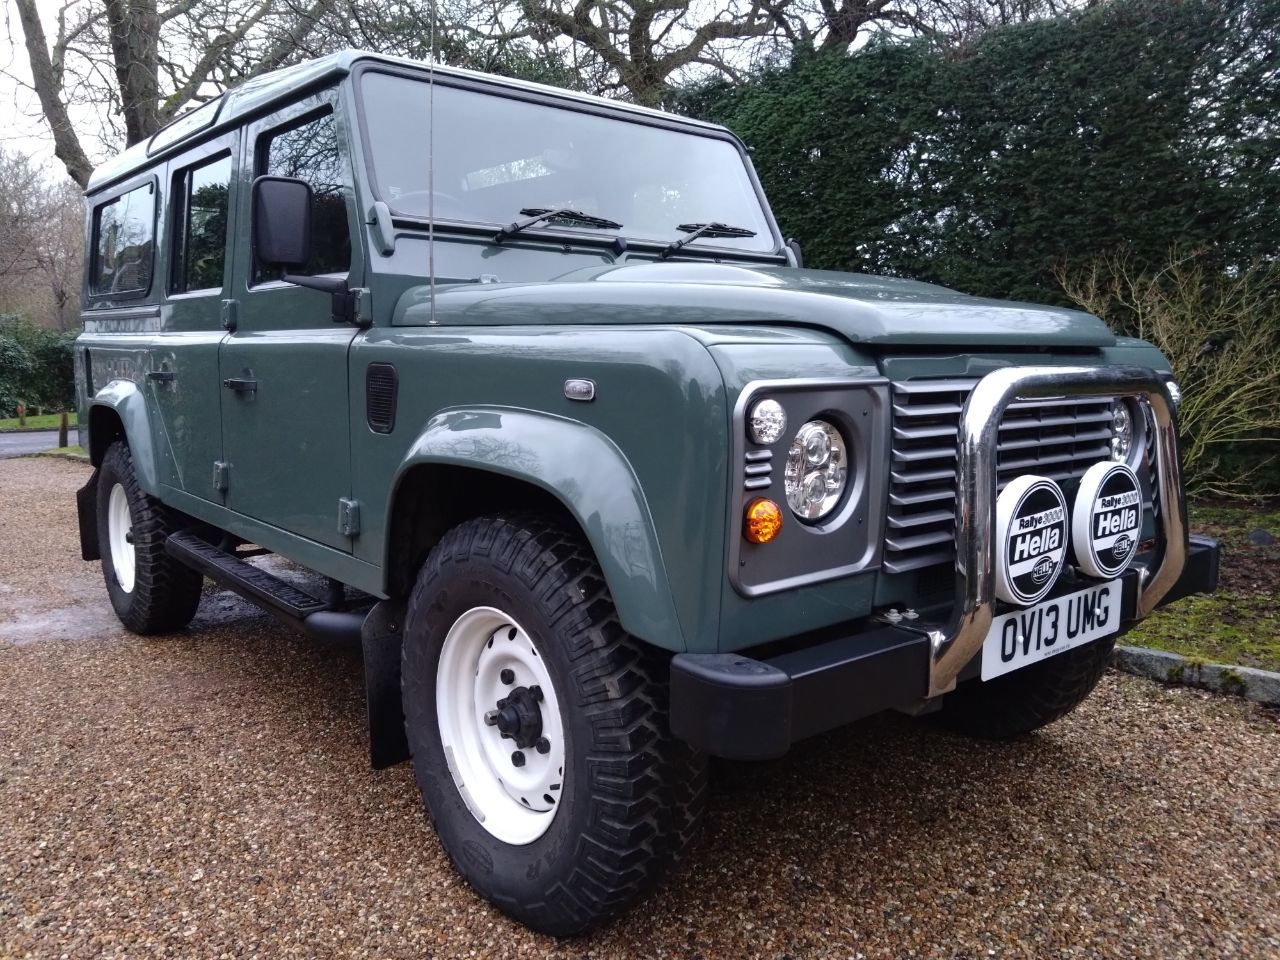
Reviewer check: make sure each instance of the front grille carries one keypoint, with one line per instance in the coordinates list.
(1055, 438)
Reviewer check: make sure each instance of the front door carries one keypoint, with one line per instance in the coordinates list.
(286, 422)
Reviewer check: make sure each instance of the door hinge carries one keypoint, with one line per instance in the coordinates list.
(229, 315)
(348, 517)
(220, 470)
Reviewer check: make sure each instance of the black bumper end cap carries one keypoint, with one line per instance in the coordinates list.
(743, 706)
(1200, 574)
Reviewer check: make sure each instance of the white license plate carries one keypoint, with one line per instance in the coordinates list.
(1031, 635)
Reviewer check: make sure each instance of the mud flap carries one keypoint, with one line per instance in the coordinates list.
(87, 512)
(380, 638)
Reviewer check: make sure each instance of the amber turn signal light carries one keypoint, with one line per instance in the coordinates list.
(764, 521)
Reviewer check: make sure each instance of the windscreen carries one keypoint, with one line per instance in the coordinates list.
(496, 156)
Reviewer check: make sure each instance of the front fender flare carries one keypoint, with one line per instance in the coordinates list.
(129, 404)
(589, 475)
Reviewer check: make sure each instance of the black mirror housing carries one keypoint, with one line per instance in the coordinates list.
(282, 221)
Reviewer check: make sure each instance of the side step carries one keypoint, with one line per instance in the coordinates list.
(254, 584)
(283, 600)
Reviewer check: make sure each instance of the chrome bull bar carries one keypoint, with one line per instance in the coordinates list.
(953, 647)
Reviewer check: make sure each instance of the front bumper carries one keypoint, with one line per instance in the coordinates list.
(733, 706)
(843, 678)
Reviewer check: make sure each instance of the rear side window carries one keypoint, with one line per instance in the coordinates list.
(200, 228)
(124, 244)
(310, 152)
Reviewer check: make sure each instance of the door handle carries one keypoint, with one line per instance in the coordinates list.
(163, 376)
(240, 384)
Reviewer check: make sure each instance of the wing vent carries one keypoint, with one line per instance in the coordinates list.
(380, 388)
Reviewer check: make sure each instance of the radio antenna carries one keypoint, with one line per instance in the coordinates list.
(431, 166)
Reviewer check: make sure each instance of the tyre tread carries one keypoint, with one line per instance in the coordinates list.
(647, 789)
(166, 593)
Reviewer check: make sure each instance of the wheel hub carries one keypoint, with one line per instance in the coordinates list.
(518, 716)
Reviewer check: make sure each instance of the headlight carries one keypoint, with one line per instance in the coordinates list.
(1121, 431)
(767, 422)
(817, 467)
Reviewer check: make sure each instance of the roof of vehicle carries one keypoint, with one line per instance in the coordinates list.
(264, 92)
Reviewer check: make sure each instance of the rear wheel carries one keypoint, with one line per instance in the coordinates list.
(149, 590)
(538, 727)
(1027, 699)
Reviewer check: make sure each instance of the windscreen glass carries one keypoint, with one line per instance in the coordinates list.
(496, 156)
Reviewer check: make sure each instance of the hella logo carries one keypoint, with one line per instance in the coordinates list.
(1121, 546)
(1042, 570)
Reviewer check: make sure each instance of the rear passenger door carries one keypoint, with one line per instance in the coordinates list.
(285, 408)
(183, 379)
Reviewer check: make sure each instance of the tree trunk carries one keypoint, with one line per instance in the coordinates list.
(66, 145)
(135, 36)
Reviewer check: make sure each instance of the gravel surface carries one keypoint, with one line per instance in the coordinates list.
(208, 795)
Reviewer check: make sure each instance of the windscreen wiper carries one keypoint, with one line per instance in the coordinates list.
(696, 230)
(568, 214)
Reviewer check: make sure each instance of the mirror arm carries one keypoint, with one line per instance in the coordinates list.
(344, 301)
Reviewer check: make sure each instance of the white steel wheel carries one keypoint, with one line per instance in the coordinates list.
(120, 538)
(500, 725)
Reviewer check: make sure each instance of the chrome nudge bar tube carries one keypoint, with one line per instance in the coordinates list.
(957, 644)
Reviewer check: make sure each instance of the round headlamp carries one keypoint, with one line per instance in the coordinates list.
(1121, 431)
(816, 471)
(767, 422)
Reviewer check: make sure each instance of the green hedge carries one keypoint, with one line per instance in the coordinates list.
(37, 367)
(1144, 124)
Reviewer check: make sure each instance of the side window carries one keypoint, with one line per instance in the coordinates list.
(309, 151)
(200, 225)
(124, 244)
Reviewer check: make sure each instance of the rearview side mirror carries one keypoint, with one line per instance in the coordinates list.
(282, 221)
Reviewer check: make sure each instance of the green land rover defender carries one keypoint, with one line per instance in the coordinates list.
(557, 427)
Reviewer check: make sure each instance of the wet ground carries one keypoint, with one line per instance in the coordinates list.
(208, 795)
(15, 444)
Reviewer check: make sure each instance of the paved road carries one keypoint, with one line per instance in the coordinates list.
(19, 444)
(208, 794)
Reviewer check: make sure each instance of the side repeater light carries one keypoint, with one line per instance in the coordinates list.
(763, 521)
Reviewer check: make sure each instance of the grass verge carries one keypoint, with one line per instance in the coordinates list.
(48, 421)
(1240, 624)
(71, 453)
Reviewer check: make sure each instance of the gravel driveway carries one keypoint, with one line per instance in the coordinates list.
(208, 795)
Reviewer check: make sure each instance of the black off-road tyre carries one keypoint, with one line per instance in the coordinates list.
(165, 593)
(1027, 699)
(632, 794)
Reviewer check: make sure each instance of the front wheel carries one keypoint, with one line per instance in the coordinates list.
(538, 727)
(1027, 699)
(150, 591)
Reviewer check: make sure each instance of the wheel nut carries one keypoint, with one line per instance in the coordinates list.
(491, 717)
(517, 759)
(508, 677)
(543, 745)
(536, 692)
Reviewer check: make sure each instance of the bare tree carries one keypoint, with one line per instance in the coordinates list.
(41, 227)
(146, 60)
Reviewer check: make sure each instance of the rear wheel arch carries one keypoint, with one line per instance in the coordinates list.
(105, 428)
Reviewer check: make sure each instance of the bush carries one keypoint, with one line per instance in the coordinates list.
(1143, 122)
(15, 370)
(45, 377)
(1221, 335)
